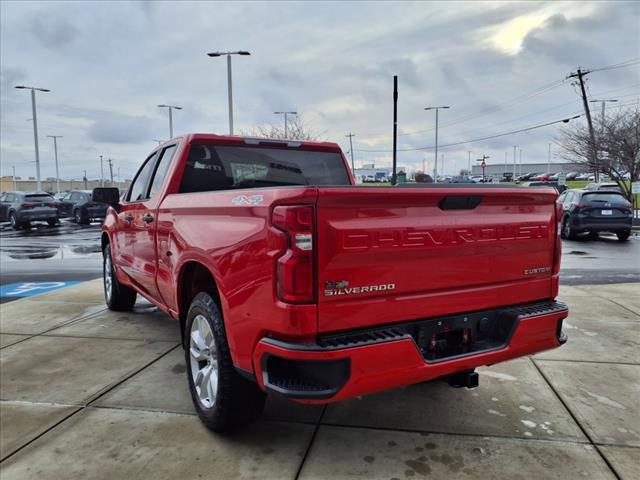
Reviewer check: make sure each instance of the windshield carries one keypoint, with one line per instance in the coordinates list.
(214, 167)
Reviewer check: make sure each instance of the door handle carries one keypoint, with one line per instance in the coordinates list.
(148, 218)
(128, 218)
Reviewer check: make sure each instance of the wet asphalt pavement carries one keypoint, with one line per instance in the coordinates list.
(64, 253)
(71, 252)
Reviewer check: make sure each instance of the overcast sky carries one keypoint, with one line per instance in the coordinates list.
(108, 64)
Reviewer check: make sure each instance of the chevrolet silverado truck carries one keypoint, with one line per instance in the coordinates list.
(287, 278)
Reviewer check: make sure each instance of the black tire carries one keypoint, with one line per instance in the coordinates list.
(624, 235)
(567, 232)
(79, 217)
(13, 219)
(236, 400)
(52, 223)
(118, 297)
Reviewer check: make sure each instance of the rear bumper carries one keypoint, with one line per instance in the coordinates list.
(389, 357)
(601, 225)
(26, 216)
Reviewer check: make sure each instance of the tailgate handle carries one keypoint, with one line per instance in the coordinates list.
(460, 202)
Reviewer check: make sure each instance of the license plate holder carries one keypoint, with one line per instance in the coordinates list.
(606, 212)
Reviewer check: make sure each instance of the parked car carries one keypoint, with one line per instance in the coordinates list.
(542, 177)
(614, 187)
(595, 211)
(559, 188)
(572, 175)
(60, 195)
(20, 209)
(79, 205)
(476, 178)
(286, 278)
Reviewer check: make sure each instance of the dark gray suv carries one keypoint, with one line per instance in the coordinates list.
(595, 211)
(22, 208)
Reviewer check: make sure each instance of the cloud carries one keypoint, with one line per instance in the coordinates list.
(53, 33)
(120, 129)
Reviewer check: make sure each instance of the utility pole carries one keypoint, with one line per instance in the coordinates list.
(514, 162)
(110, 170)
(594, 157)
(85, 180)
(351, 135)
(469, 163)
(55, 150)
(549, 159)
(101, 172)
(15, 184)
(442, 163)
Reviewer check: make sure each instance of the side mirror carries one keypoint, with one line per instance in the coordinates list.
(108, 195)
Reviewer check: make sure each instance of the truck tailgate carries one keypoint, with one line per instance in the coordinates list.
(387, 255)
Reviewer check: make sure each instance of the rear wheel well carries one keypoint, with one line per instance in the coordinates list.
(195, 278)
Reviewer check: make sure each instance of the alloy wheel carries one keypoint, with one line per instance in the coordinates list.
(204, 361)
(108, 276)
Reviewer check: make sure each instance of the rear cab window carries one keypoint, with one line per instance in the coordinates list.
(215, 167)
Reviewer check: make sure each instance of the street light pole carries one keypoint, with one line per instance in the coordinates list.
(170, 108)
(229, 80)
(55, 150)
(286, 131)
(435, 167)
(549, 159)
(35, 126)
(101, 172)
(15, 184)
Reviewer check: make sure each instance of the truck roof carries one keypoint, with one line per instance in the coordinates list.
(247, 140)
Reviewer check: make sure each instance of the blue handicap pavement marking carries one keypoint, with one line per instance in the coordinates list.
(28, 289)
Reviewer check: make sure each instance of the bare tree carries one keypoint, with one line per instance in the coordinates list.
(297, 129)
(617, 147)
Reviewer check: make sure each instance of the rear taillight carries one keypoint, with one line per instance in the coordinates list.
(557, 251)
(26, 205)
(295, 267)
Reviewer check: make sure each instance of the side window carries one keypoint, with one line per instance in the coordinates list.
(161, 169)
(568, 198)
(204, 171)
(75, 196)
(3, 198)
(140, 186)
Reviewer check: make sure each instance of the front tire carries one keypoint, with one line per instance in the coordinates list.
(223, 399)
(118, 297)
(624, 235)
(52, 223)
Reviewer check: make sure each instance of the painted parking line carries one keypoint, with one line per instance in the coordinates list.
(28, 289)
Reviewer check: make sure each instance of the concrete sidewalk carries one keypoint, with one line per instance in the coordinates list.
(88, 393)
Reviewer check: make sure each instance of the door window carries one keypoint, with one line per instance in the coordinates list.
(161, 170)
(140, 186)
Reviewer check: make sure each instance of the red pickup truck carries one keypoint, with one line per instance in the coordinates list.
(287, 278)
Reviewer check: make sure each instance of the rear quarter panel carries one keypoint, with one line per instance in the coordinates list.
(230, 233)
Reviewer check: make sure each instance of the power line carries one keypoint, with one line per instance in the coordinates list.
(512, 132)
